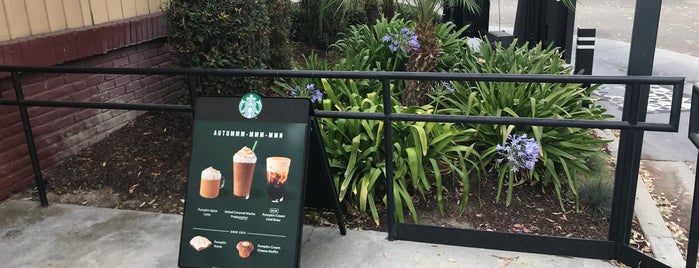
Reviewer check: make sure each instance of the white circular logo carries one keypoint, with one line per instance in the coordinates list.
(250, 105)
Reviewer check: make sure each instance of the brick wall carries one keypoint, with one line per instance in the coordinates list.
(61, 132)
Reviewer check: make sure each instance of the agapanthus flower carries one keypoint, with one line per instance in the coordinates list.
(448, 86)
(405, 40)
(307, 92)
(519, 152)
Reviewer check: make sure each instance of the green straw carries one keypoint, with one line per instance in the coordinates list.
(254, 145)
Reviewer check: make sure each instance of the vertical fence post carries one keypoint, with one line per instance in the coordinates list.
(29, 136)
(585, 52)
(693, 243)
(388, 150)
(191, 87)
(628, 164)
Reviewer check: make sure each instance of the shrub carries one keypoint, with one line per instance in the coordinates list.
(321, 21)
(220, 34)
(280, 19)
(564, 150)
(421, 150)
(596, 189)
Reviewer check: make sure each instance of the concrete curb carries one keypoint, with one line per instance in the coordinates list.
(657, 234)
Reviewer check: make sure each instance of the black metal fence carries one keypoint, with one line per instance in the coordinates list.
(632, 126)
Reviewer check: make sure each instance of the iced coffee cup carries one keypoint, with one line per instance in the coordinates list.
(277, 173)
(243, 168)
(211, 183)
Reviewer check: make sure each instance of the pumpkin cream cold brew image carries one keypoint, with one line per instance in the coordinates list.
(211, 183)
(277, 174)
(243, 169)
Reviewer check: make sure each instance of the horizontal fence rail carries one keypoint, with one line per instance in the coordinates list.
(631, 125)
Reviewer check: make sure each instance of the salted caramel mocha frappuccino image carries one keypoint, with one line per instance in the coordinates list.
(243, 168)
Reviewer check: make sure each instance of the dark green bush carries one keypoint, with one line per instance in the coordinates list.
(280, 18)
(320, 22)
(220, 34)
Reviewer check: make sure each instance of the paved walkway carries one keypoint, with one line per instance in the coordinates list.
(76, 236)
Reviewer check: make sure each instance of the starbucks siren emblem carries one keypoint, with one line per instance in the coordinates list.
(250, 105)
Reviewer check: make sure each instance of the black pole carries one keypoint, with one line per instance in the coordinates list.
(693, 243)
(191, 87)
(388, 148)
(29, 136)
(643, 40)
(585, 51)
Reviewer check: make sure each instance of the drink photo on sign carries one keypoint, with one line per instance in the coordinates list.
(277, 174)
(243, 169)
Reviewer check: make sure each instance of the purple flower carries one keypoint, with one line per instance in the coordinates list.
(406, 40)
(317, 96)
(519, 152)
(386, 38)
(448, 86)
(308, 92)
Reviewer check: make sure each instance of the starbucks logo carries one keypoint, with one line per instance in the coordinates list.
(250, 105)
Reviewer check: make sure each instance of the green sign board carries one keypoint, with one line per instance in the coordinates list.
(245, 190)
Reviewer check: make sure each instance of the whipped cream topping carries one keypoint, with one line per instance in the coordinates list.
(211, 173)
(245, 155)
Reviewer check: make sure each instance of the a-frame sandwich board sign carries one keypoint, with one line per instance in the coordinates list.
(247, 182)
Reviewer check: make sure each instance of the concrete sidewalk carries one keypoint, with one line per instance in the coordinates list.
(77, 236)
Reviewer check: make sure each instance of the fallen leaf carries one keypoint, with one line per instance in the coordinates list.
(133, 188)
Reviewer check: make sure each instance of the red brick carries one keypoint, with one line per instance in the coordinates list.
(55, 93)
(133, 86)
(10, 118)
(23, 175)
(81, 115)
(70, 46)
(116, 92)
(150, 34)
(33, 89)
(6, 131)
(133, 58)
(140, 93)
(121, 62)
(53, 80)
(13, 53)
(95, 79)
(118, 35)
(45, 115)
(5, 183)
(83, 94)
(10, 142)
(47, 151)
(75, 78)
(105, 86)
(123, 79)
(151, 53)
(43, 129)
(145, 63)
(155, 97)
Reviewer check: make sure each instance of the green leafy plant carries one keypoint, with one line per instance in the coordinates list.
(321, 21)
(220, 34)
(596, 189)
(422, 151)
(280, 16)
(564, 150)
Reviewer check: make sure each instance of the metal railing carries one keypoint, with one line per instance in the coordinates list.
(632, 126)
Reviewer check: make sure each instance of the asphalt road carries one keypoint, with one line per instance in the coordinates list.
(613, 20)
